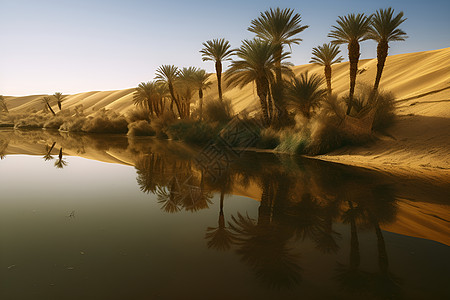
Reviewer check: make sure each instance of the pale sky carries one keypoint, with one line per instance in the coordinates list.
(77, 46)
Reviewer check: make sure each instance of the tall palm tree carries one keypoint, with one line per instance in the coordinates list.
(3, 104)
(256, 64)
(326, 55)
(217, 50)
(278, 26)
(351, 30)
(46, 100)
(384, 29)
(200, 80)
(168, 74)
(305, 92)
(59, 99)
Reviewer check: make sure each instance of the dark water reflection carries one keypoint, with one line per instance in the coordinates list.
(316, 231)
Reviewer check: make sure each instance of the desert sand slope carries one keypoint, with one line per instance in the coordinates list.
(418, 143)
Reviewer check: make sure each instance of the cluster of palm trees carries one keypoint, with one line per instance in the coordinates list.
(262, 61)
(46, 100)
(175, 85)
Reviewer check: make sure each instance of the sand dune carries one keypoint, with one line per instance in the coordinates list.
(419, 143)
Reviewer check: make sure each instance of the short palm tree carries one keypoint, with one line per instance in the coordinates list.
(306, 92)
(200, 80)
(351, 30)
(46, 101)
(168, 74)
(384, 29)
(3, 104)
(48, 152)
(278, 26)
(256, 64)
(185, 87)
(146, 96)
(217, 50)
(59, 99)
(326, 55)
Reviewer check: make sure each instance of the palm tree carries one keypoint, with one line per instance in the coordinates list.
(3, 104)
(351, 30)
(185, 87)
(168, 74)
(384, 29)
(200, 80)
(326, 55)
(148, 95)
(46, 100)
(59, 98)
(217, 50)
(305, 92)
(48, 152)
(278, 26)
(60, 162)
(256, 64)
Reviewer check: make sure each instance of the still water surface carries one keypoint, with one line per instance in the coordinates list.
(91, 217)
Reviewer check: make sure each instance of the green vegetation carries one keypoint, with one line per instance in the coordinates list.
(297, 114)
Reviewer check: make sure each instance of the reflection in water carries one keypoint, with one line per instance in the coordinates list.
(301, 202)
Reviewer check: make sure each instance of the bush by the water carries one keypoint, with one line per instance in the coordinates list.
(140, 128)
(189, 131)
(218, 111)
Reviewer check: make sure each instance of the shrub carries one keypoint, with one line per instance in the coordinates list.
(138, 114)
(292, 142)
(74, 125)
(31, 121)
(218, 111)
(54, 122)
(106, 124)
(269, 139)
(190, 131)
(140, 128)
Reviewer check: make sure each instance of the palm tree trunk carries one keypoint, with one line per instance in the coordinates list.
(382, 52)
(270, 106)
(353, 55)
(277, 59)
(59, 105)
(174, 99)
(48, 104)
(261, 90)
(383, 261)
(354, 243)
(219, 78)
(200, 97)
(327, 71)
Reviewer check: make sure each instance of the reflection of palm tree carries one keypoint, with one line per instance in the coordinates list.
(48, 152)
(220, 238)
(169, 199)
(350, 277)
(3, 146)
(265, 249)
(326, 237)
(60, 162)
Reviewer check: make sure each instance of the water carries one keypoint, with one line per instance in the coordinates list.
(106, 217)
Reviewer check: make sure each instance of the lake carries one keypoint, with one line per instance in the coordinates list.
(111, 217)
